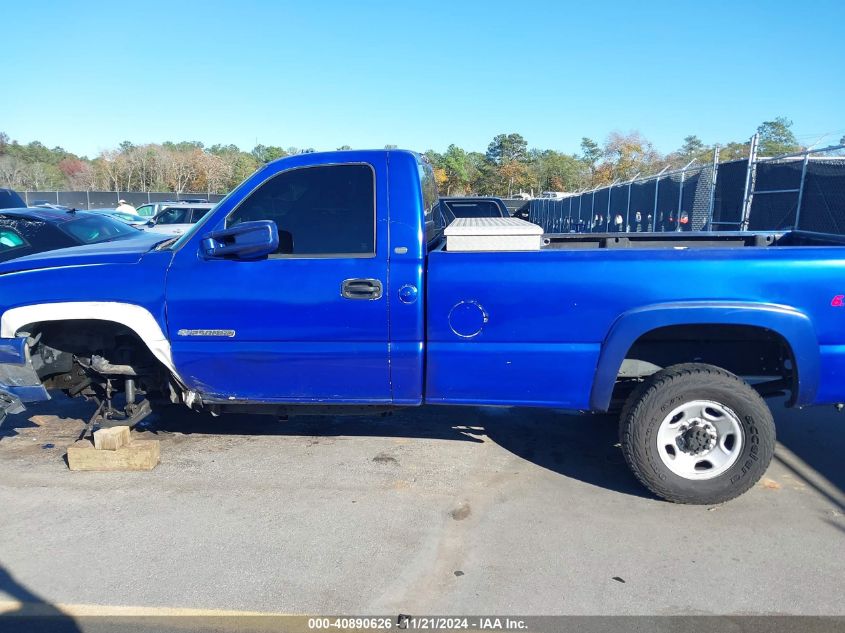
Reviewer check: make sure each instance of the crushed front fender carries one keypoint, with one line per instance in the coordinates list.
(19, 382)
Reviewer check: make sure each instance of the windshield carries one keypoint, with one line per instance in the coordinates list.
(94, 229)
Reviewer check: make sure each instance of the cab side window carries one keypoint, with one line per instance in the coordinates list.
(325, 210)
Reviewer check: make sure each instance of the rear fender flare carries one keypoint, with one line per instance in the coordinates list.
(794, 326)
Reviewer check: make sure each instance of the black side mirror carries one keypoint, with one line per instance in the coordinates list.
(249, 240)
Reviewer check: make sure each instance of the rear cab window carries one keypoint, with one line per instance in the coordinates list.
(474, 209)
(433, 216)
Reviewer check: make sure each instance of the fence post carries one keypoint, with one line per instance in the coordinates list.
(609, 196)
(628, 207)
(801, 190)
(750, 176)
(712, 205)
(579, 207)
(681, 194)
(87, 199)
(656, 192)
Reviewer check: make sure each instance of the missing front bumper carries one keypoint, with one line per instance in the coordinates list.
(19, 382)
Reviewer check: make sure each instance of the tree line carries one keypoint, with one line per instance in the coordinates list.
(506, 168)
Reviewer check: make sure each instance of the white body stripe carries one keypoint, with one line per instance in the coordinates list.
(132, 316)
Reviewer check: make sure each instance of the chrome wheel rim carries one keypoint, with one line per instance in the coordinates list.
(700, 439)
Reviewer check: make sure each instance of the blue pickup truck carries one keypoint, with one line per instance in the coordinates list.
(324, 283)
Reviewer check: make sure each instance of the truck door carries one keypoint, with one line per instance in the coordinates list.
(307, 324)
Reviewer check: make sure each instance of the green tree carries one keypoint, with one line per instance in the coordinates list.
(267, 153)
(776, 137)
(456, 167)
(734, 151)
(590, 152)
(506, 148)
(692, 147)
(220, 150)
(476, 166)
(181, 146)
(555, 171)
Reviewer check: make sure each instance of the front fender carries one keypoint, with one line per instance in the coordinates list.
(18, 381)
(794, 326)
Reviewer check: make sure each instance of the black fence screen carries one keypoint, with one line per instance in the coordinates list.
(109, 199)
(730, 191)
(803, 192)
(823, 203)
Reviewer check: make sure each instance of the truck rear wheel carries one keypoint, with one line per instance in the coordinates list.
(695, 433)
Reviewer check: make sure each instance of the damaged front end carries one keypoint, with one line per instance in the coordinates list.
(19, 382)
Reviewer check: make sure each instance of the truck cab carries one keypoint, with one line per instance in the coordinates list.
(335, 313)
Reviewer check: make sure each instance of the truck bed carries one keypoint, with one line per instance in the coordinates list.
(572, 241)
(544, 317)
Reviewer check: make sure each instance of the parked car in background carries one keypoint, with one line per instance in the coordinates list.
(10, 200)
(177, 218)
(42, 204)
(152, 209)
(474, 208)
(521, 196)
(26, 231)
(132, 219)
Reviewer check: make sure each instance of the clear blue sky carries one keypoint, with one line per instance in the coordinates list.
(87, 75)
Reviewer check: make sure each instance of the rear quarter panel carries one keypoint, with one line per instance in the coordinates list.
(549, 314)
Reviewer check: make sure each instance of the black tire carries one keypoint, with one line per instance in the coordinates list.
(669, 388)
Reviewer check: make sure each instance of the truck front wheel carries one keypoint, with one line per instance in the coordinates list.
(695, 433)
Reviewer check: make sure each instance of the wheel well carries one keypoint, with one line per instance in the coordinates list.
(60, 349)
(756, 353)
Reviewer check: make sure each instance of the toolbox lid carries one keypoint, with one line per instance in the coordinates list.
(492, 226)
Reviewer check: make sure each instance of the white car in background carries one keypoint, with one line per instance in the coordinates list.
(150, 209)
(178, 217)
(132, 219)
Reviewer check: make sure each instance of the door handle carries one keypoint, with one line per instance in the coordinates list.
(370, 289)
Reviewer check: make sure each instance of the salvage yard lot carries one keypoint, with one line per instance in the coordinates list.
(441, 510)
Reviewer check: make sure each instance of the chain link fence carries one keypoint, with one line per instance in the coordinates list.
(805, 190)
(84, 200)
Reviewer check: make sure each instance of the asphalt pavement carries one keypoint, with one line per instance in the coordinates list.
(442, 510)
